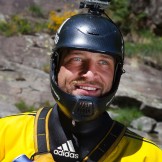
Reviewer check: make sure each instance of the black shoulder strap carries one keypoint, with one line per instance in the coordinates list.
(41, 132)
(108, 143)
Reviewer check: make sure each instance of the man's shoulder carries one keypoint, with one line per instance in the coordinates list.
(18, 116)
(17, 119)
(133, 139)
(133, 147)
(22, 118)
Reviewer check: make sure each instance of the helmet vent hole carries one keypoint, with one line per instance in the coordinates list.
(93, 33)
(83, 108)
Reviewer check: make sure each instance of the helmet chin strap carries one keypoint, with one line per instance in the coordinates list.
(83, 108)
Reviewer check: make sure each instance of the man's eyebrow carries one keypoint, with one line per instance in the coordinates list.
(106, 56)
(75, 53)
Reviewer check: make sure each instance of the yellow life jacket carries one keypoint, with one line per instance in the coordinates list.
(112, 137)
(19, 134)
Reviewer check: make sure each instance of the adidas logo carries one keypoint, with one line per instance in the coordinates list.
(67, 150)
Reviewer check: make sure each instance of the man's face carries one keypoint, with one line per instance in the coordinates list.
(86, 73)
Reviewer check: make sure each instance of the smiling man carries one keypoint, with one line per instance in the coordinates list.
(86, 73)
(86, 67)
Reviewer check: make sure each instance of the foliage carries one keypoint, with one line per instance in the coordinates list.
(55, 20)
(23, 107)
(36, 11)
(121, 13)
(4, 27)
(126, 115)
(19, 25)
(147, 45)
(119, 9)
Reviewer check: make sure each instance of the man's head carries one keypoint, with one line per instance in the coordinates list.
(86, 65)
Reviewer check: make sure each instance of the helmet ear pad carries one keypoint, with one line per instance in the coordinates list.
(117, 76)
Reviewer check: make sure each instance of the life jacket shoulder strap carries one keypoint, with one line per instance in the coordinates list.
(108, 143)
(41, 130)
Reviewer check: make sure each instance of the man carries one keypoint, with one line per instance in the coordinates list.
(86, 66)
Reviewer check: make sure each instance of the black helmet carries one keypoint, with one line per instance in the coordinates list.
(92, 33)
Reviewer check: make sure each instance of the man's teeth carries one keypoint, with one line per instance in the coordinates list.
(88, 88)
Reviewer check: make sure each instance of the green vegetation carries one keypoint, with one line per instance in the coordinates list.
(36, 11)
(23, 107)
(19, 25)
(126, 115)
(147, 45)
(140, 40)
(120, 12)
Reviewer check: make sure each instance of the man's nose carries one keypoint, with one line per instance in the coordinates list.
(90, 72)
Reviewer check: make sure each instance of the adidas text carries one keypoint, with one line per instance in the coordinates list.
(67, 150)
(66, 154)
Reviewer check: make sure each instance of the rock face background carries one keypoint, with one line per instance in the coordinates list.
(23, 60)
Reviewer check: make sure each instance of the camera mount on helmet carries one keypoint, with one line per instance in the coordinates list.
(95, 6)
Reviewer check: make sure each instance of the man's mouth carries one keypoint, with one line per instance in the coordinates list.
(87, 88)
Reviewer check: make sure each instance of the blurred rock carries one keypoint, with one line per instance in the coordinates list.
(22, 75)
(141, 86)
(144, 124)
(158, 128)
(7, 109)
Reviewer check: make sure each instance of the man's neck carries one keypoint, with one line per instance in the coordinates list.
(102, 123)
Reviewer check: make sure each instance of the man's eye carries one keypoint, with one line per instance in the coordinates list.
(77, 59)
(103, 62)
